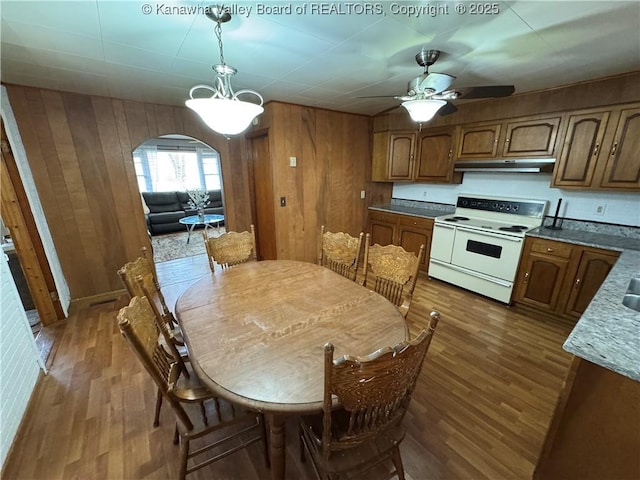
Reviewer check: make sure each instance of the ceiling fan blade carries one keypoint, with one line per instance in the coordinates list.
(380, 96)
(489, 91)
(447, 109)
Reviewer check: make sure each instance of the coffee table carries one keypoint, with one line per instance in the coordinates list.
(208, 220)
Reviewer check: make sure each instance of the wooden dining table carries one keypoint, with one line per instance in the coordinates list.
(256, 334)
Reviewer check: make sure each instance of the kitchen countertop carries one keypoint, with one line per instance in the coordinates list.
(413, 211)
(608, 333)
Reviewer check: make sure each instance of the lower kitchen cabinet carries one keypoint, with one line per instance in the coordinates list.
(593, 434)
(405, 230)
(560, 278)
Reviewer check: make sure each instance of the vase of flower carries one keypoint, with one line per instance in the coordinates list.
(198, 199)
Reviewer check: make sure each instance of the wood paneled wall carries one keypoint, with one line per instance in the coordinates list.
(79, 150)
(606, 91)
(333, 152)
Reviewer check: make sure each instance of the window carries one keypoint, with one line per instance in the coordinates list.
(164, 167)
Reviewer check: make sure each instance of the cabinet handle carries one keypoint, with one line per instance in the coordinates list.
(549, 249)
(507, 139)
(596, 149)
(526, 277)
(614, 148)
(578, 282)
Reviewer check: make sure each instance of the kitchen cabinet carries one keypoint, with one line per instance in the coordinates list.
(600, 150)
(560, 278)
(525, 137)
(408, 231)
(593, 433)
(425, 156)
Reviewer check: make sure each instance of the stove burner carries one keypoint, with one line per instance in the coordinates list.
(455, 219)
(514, 228)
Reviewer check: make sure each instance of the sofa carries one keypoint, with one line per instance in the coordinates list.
(165, 209)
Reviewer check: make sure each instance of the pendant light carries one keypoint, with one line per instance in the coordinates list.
(223, 111)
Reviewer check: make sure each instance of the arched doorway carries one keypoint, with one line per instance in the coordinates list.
(167, 168)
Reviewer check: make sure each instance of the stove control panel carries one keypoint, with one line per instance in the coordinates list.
(514, 207)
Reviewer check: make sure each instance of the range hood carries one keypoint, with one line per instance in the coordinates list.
(511, 165)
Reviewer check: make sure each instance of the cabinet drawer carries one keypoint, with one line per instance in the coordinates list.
(418, 222)
(382, 216)
(549, 247)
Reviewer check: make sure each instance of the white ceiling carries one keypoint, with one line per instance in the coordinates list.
(323, 59)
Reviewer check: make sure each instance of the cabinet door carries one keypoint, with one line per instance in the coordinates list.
(382, 228)
(478, 142)
(414, 232)
(435, 156)
(542, 273)
(580, 151)
(593, 268)
(622, 168)
(531, 138)
(401, 156)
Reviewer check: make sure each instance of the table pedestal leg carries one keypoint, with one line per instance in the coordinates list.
(276, 445)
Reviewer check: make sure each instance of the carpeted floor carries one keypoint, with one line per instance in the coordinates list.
(174, 245)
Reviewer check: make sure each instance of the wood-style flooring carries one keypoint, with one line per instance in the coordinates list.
(480, 409)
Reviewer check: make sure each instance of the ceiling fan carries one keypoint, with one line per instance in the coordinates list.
(429, 93)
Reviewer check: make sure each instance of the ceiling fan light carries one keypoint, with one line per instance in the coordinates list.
(223, 115)
(423, 110)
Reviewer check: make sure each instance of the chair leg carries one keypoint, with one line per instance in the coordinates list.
(156, 418)
(218, 412)
(397, 462)
(265, 445)
(184, 457)
(303, 457)
(176, 436)
(203, 409)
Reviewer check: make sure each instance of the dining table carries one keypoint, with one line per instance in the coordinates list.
(256, 334)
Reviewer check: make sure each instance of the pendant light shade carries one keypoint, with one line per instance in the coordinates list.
(423, 110)
(223, 111)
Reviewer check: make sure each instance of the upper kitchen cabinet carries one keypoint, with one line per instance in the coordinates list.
(601, 149)
(425, 156)
(525, 137)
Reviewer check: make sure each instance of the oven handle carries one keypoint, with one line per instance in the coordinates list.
(493, 235)
(473, 273)
(444, 225)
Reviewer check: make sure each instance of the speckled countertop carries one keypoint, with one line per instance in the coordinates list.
(608, 333)
(432, 211)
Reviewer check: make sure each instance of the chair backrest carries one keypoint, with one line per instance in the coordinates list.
(392, 272)
(374, 391)
(340, 252)
(138, 326)
(231, 248)
(139, 276)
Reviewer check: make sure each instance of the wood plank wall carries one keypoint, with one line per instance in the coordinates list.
(606, 91)
(79, 149)
(333, 152)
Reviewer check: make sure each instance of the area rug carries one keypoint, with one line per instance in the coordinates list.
(171, 246)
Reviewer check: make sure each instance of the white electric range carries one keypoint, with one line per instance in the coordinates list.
(478, 247)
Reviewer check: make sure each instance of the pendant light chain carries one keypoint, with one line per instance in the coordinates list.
(218, 30)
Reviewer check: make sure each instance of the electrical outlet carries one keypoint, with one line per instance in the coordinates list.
(293, 161)
(283, 201)
(424, 194)
(362, 194)
(600, 209)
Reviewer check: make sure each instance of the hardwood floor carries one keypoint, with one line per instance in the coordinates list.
(480, 409)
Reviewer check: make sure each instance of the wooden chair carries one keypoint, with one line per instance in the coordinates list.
(137, 324)
(144, 267)
(362, 436)
(230, 248)
(392, 272)
(139, 279)
(340, 252)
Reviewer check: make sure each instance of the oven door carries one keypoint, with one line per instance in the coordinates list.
(442, 242)
(488, 253)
